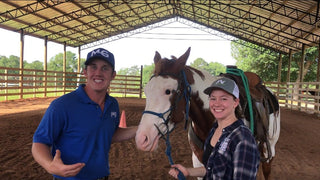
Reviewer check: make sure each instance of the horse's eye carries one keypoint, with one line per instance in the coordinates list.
(168, 92)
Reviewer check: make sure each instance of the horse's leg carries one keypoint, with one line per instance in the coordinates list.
(274, 133)
(266, 167)
(260, 175)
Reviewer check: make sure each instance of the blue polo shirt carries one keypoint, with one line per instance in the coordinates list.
(77, 126)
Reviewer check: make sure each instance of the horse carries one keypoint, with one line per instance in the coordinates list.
(175, 94)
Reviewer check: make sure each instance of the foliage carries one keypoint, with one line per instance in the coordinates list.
(213, 68)
(56, 62)
(34, 65)
(147, 73)
(132, 71)
(11, 62)
(135, 71)
(265, 62)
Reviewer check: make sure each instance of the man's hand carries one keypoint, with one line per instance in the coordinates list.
(57, 167)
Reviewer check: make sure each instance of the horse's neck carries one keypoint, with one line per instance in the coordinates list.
(199, 105)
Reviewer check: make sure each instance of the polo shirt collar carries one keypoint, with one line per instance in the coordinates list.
(83, 95)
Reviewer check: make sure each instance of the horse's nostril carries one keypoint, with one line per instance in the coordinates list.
(145, 140)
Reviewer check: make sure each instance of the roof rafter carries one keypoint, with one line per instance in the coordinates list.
(282, 26)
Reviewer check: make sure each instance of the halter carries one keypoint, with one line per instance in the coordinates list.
(165, 134)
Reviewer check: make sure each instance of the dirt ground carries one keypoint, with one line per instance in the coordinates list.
(297, 152)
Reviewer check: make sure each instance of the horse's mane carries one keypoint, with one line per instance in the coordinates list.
(167, 66)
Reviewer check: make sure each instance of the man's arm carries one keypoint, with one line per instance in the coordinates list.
(123, 134)
(54, 165)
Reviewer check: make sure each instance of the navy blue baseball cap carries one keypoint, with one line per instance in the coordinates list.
(102, 54)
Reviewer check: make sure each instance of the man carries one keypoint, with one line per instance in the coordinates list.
(74, 136)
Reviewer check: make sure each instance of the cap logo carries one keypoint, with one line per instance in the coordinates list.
(102, 52)
(220, 81)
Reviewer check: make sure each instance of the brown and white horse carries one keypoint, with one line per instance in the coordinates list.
(175, 94)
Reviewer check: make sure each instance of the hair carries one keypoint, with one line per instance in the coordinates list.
(238, 112)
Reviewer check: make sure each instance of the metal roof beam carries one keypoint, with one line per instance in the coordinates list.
(241, 34)
(127, 34)
(257, 19)
(230, 23)
(122, 27)
(28, 9)
(283, 10)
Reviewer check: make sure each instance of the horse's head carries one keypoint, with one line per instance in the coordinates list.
(165, 93)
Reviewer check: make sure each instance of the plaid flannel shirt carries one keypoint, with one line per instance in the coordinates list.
(235, 156)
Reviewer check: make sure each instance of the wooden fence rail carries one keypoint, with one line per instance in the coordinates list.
(302, 96)
(27, 83)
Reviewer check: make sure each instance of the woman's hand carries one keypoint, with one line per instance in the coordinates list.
(175, 168)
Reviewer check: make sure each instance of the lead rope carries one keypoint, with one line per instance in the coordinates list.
(168, 153)
(239, 72)
(187, 93)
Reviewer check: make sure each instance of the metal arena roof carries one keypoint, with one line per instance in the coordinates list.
(278, 25)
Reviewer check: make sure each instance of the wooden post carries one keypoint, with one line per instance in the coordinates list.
(279, 74)
(64, 66)
(6, 83)
(288, 79)
(301, 74)
(79, 67)
(21, 63)
(45, 66)
(141, 88)
(79, 59)
(317, 108)
(34, 83)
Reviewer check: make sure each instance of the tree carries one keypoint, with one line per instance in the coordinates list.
(199, 63)
(56, 62)
(213, 68)
(135, 70)
(265, 62)
(147, 73)
(11, 62)
(132, 71)
(34, 65)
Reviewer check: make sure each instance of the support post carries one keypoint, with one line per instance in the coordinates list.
(141, 88)
(45, 66)
(21, 63)
(64, 66)
(301, 75)
(317, 107)
(279, 75)
(288, 80)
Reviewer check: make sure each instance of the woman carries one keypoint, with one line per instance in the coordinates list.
(230, 150)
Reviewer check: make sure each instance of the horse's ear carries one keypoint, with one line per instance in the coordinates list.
(157, 57)
(183, 59)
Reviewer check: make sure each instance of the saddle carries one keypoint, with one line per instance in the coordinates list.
(263, 103)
